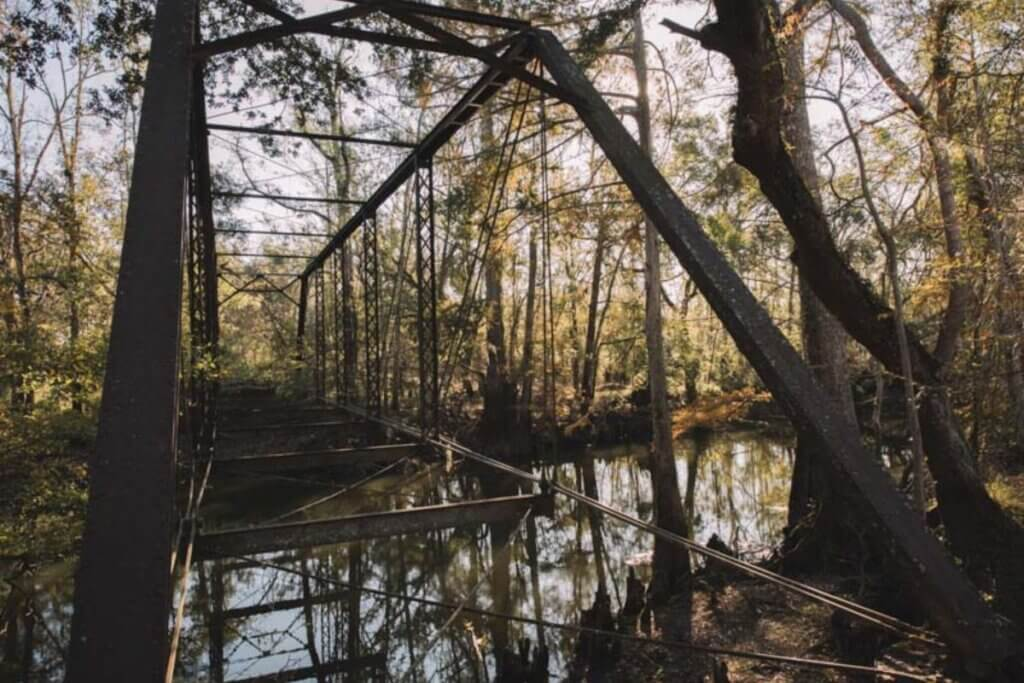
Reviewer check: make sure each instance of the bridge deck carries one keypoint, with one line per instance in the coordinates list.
(321, 458)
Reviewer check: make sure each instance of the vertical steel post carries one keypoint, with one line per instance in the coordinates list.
(319, 336)
(119, 631)
(349, 326)
(336, 325)
(300, 330)
(371, 315)
(204, 324)
(426, 291)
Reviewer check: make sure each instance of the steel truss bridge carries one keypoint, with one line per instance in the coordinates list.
(136, 541)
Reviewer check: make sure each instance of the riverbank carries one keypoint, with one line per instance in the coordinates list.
(744, 615)
(622, 416)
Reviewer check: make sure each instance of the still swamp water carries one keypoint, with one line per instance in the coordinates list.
(735, 485)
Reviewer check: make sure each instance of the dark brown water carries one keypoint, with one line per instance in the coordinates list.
(734, 483)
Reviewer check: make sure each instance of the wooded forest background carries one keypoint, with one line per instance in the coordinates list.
(893, 127)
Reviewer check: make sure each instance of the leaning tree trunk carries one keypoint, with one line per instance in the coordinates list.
(979, 529)
(671, 562)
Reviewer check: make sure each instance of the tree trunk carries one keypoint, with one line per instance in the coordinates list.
(74, 237)
(818, 527)
(526, 367)
(984, 192)
(69, 144)
(497, 423)
(980, 531)
(353, 625)
(393, 326)
(671, 562)
(936, 134)
(14, 270)
(337, 155)
(498, 428)
(308, 622)
(590, 348)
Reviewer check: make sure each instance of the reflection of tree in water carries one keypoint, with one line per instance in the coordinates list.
(551, 569)
(736, 488)
(35, 627)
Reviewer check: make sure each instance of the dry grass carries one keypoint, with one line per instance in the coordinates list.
(716, 411)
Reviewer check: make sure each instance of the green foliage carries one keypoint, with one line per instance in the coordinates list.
(43, 483)
(610, 22)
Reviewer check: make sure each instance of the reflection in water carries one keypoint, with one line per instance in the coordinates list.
(247, 620)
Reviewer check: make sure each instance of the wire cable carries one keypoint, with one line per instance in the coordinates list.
(880, 619)
(680, 645)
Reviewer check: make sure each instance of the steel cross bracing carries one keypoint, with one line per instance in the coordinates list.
(203, 302)
(336, 331)
(300, 328)
(426, 296)
(320, 337)
(371, 316)
(200, 385)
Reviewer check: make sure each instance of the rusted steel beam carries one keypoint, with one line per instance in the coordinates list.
(276, 233)
(427, 346)
(283, 605)
(266, 539)
(952, 603)
(328, 457)
(262, 274)
(286, 198)
(374, 661)
(251, 254)
(201, 284)
(454, 14)
(288, 27)
(275, 407)
(355, 139)
(393, 39)
(123, 588)
(300, 327)
(484, 54)
(271, 33)
(264, 290)
(245, 565)
(269, 8)
(291, 426)
(483, 90)
(371, 321)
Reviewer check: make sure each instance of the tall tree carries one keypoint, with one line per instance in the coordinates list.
(526, 362)
(936, 134)
(590, 342)
(818, 530)
(671, 562)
